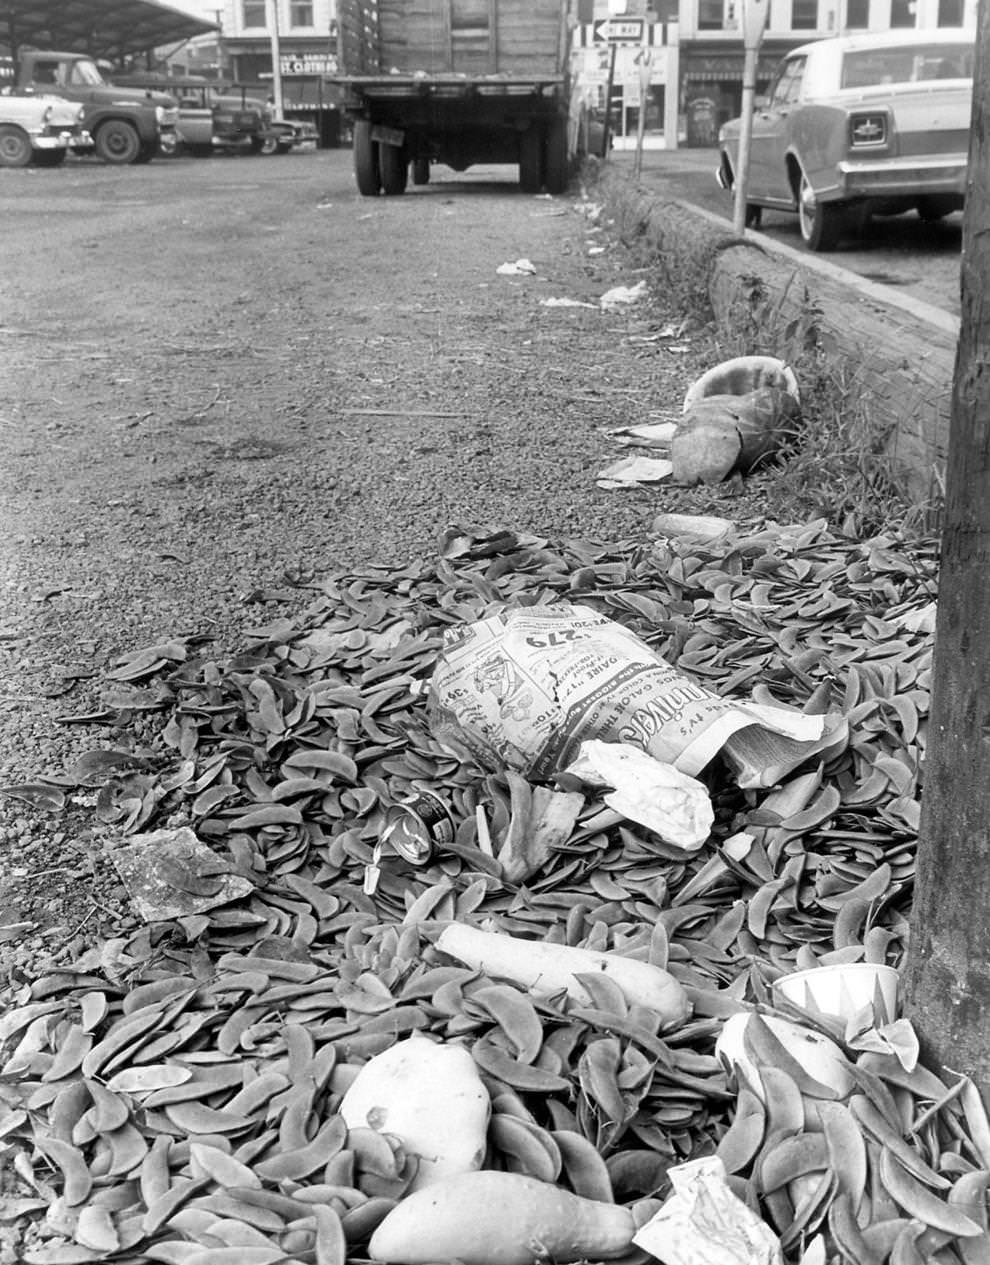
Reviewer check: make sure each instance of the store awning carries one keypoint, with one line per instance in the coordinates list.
(101, 28)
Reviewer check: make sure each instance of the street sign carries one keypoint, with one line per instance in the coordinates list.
(619, 31)
(308, 64)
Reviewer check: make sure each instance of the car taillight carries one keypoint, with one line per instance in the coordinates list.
(868, 130)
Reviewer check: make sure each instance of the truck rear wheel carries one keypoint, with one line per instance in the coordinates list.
(117, 142)
(366, 170)
(531, 159)
(394, 167)
(15, 147)
(555, 171)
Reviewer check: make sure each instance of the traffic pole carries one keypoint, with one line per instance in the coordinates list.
(273, 34)
(754, 21)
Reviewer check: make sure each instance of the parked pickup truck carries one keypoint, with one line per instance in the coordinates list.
(212, 117)
(38, 130)
(124, 125)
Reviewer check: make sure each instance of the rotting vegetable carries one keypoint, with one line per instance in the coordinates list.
(490, 1218)
(547, 969)
(430, 1096)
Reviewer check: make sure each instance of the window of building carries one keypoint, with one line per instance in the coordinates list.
(254, 12)
(858, 15)
(804, 15)
(300, 13)
(711, 15)
(950, 12)
(902, 13)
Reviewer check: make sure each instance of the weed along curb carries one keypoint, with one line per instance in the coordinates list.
(895, 354)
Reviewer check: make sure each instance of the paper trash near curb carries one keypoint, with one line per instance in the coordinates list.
(524, 688)
(704, 1223)
(620, 295)
(170, 874)
(673, 805)
(649, 435)
(633, 471)
(520, 268)
(566, 303)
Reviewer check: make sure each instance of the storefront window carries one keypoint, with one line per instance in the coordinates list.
(950, 12)
(300, 13)
(254, 13)
(804, 15)
(902, 13)
(858, 15)
(710, 15)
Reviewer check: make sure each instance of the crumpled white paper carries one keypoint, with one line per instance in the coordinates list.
(656, 795)
(704, 1223)
(630, 472)
(565, 303)
(520, 268)
(620, 295)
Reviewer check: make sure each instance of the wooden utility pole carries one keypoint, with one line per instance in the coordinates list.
(947, 980)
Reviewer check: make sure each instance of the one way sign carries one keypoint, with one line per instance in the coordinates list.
(618, 31)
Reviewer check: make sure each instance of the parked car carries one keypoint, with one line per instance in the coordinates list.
(860, 125)
(217, 117)
(38, 129)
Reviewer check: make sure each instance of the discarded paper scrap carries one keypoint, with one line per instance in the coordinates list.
(620, 295)
(704, 1223)
(671, 804)
(171, 874)
(629, 472)
(516, 268)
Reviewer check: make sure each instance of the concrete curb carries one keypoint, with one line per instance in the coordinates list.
(896, 353)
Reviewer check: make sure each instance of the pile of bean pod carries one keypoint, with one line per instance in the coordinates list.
(173, 1096)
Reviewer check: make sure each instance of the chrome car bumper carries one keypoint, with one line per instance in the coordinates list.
(898, 177)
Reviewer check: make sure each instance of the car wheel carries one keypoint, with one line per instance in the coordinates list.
(531, 159)
(931, 210)
(394, 167)
(555, 156)
(421, 171)
(117, 142)
(15, 147)
(367, 172)
(821, 222)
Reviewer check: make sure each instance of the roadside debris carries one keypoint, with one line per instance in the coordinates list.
(516, 268)
(171, 874)
(620, 296)
(631, 472)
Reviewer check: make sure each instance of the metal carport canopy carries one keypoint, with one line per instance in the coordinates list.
(101, 28)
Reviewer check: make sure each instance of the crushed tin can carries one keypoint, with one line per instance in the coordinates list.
(417, 826)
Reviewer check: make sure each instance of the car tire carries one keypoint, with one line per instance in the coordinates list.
(15, 147)
(367, 172)
(117, 142)
(421, 171)
(531, 159)
(821, 222)
(933, 209)
(394, 167)
(555, 171)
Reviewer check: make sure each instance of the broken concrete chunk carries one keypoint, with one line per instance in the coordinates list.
(172, 874)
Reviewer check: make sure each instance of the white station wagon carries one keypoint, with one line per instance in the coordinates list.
(38, 129)
(860, 125)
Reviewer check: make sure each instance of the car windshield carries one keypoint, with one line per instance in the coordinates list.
(86, 72)
(874, 67)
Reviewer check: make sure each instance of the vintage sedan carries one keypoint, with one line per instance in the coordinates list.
(38, 129)
(860, 125)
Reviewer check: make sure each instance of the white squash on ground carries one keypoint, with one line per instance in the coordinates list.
(494, 1218)
(819, 1056)
(431, 1097)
